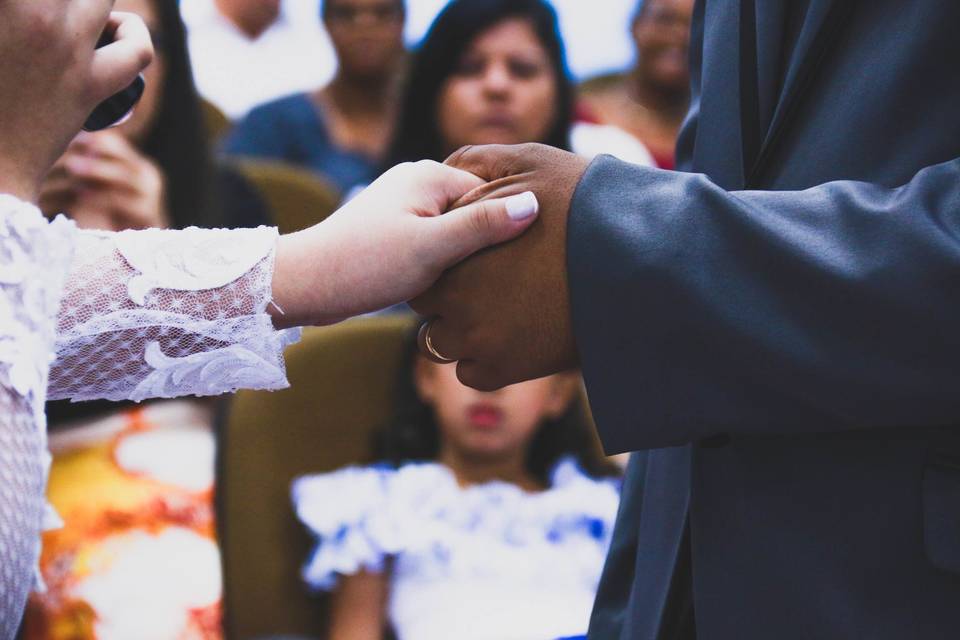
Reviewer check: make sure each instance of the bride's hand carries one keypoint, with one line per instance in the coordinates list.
(52, 77)
(389, 244)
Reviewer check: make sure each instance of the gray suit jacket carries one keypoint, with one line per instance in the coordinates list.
(781, 326)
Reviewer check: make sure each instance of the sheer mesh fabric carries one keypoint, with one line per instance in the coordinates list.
(153, 314)
(102, 334)
(21, 506)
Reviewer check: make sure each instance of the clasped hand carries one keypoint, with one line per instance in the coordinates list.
(504, 314)
(436, 234)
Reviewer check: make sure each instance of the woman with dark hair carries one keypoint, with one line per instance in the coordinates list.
(494, 71)
(484, 515)
(156, 169)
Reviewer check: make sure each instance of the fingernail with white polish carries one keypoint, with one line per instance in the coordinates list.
(523, 206)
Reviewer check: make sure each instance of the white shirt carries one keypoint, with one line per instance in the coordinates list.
(591, 140)
(486, 562)
(236, 73)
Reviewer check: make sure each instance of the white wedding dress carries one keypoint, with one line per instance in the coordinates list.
(130, 315)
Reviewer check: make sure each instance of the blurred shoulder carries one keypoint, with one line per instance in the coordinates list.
(297, 106)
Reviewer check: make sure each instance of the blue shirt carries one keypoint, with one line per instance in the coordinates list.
(292, 129)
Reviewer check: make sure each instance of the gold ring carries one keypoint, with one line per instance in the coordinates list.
(428, 343)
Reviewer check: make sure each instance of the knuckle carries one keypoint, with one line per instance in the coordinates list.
(481, 223)
(458, 156)
(403, 168)
(41, 22)
(144, 54)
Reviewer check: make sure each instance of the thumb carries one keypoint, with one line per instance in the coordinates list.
(117, 64)
(469, 229)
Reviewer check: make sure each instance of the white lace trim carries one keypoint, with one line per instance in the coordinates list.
(226, 370)
(113, 318)
(188, 261)
(250, 359)
(208, 288)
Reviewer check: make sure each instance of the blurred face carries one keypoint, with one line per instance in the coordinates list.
(367, 35)
(136, 128)
(250, 11)
(662, 37)
(491, 425)
(503, 91)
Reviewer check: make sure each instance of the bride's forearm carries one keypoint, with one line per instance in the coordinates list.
(389, 244)
(298, 280)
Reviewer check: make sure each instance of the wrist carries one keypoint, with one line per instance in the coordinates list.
(298, 269)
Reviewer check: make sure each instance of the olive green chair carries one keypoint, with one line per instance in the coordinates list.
(217, 124)
(297, 198)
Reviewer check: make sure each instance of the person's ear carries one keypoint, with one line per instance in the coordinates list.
(566, 386)
(425, 379)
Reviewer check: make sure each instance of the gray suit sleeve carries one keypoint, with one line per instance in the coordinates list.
(699, 311)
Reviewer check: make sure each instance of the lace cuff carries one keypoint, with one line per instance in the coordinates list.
(159, 314)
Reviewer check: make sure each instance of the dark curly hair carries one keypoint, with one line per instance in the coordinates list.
(458, 25)
(413, 436)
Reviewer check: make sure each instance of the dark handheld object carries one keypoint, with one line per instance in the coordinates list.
(117, 107)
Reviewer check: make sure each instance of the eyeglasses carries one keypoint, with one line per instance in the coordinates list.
(381, 13)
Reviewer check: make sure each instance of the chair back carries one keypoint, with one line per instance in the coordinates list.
(297, 198)
(218, 125)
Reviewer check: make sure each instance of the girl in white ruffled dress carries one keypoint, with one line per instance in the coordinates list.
(488, 515)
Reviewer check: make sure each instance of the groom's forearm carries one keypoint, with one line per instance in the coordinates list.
(699, 311)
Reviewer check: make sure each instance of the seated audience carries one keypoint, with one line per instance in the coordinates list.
(651, 100)
(340, 131)
(247, 52)
(494, 71)
(486, 515)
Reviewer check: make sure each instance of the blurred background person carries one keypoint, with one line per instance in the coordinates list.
(494, 71)
(247, 52)
(486, 515)
(134, 485)
(651, 100)
(156, 169)
(340, 131)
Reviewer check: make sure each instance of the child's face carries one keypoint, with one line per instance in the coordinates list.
(491, 425)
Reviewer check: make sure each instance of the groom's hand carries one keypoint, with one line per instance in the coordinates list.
(504, 314)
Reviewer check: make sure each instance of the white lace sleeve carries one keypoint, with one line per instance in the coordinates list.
(143, 314)
(158, 314)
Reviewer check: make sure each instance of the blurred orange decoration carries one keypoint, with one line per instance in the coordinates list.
(137, 556)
